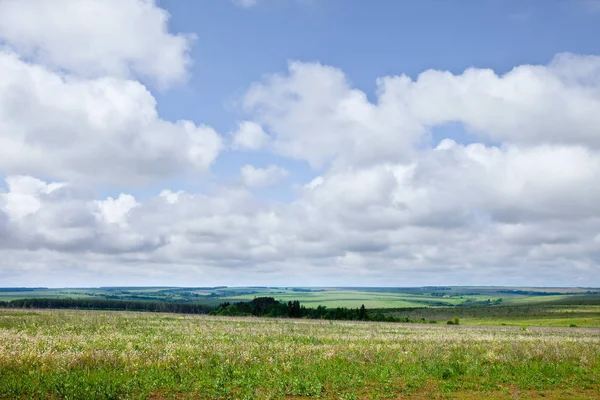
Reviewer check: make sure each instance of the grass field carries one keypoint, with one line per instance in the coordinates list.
(538, 314)
(98, 354)
(356, 298)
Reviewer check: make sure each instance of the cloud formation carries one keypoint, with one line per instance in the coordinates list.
(104, 129)
(95, 38)
(386, 204)
(263, 177)
(314, 114)
(249, 136)
(439, 220)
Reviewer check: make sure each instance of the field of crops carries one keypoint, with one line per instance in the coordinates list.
(356, 298)
(99, 354)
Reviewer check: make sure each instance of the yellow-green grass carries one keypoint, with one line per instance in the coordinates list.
(123, 355)
(539, 299)
(565, 316)
(511, 315)
(552, 322)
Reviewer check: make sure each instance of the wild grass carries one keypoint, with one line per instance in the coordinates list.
(108, 355)
(510, 315)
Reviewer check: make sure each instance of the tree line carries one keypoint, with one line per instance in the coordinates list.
(258, 307)
(271, 308)
(99, 304)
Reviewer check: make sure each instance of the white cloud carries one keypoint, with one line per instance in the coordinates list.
(105, 129)
(249, 136)
(63, 218)
(94, 38)
(114, 211)
(23, 192)
(456, 215)
(170, 196)
(385, 208)
(557, 103)
(314, 114)
(314, 183)
(263, 177)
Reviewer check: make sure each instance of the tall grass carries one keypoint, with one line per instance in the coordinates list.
(98, 354)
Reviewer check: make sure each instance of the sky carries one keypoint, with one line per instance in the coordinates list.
(299, 143)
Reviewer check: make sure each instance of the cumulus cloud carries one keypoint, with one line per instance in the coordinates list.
(104, 129)
(249, 136)
(314, 114)
(59, 217)
(94, 38)
(386, 208)
(459, 215)
(71, 107)
(558, 103)
(23, 194)
(263, 177)
(114, 211)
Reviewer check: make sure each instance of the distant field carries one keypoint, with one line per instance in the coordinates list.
(110, 355)
(53, 294)
(329, 297)
(521, 315)
(354, 299)
(539, 299)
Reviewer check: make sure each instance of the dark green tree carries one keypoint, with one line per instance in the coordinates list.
(362, 313)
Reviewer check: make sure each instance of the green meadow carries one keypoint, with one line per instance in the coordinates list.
(356, 298)
(509, 315)
(70, 354)
(510, 343)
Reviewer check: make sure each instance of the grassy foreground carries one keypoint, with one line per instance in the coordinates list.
(97, 354)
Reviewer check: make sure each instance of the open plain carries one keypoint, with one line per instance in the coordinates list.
(71, 354)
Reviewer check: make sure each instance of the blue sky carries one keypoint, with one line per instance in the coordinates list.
(299, 142)
(236, 46)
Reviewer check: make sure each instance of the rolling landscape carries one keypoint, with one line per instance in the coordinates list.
(473, 305)
(299, 199)
(429, 342)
